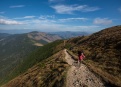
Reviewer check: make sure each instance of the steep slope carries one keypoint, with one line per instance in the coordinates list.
(3, 35)
(103, 52)
(15, 48)
(34, 58)
(59, 70)
(47, 73)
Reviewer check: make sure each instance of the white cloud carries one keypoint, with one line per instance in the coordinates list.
(29, 17)
(46, 24)
(26, 17)
(103, 21)
(2, 12)
(17, 6)
(70, 9)
(9, 22)
(73, 19)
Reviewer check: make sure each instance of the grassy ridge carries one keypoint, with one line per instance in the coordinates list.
(103, 51)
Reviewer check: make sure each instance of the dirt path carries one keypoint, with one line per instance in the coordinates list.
(81, 76)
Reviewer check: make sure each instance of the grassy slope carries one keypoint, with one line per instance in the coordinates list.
(13, 49)
(103, 52)
(35, 57)
(50, 72)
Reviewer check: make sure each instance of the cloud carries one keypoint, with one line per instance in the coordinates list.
(70, 9)
(47, 17)
(29, 17)
(26, 17)
(73, 19)
(102, 21)
(2, 12)
(55, 1)
(9, 22)
(42, 17)
(17, 6)
(47, 24)
(52, 0)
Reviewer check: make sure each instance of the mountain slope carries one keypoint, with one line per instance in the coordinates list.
(103, 52)
(3, 35)
(47, 73)
(15, 49)
(43, 36)
(52, 72)
(35, 57)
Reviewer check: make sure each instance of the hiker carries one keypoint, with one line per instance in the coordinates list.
(80, 57)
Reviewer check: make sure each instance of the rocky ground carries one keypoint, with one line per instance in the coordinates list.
(81, 76)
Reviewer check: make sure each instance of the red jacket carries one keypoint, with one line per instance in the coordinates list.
(81, 57)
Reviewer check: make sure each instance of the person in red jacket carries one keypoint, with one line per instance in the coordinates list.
(81, 56)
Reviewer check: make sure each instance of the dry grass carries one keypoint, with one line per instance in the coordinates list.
(103, 49)
(48, 73)
(106, 77)
(114, 81)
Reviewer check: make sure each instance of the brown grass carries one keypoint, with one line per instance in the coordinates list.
(48, 73)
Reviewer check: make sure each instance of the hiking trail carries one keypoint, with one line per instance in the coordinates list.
(80, 76)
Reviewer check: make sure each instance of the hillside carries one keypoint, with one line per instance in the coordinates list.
(48, 73)
(59, 70)
(15, 48)
(3, 35)
(103, 52)
(12, 51)
(34, 58)
(41, 38)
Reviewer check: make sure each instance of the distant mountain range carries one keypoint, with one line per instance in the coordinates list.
(70, 34)
(62, 34)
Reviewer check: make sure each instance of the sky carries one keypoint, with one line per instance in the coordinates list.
(59, 15)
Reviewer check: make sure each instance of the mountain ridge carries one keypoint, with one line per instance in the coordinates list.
(102, 50)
